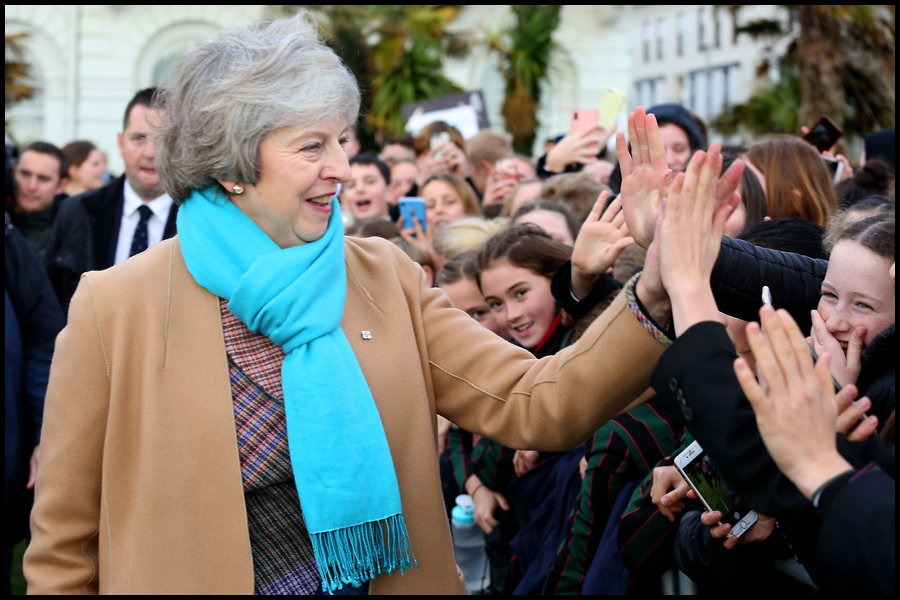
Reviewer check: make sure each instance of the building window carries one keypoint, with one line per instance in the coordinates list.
(660, 32)
(711, 90)
(647, 92)
(681, 26)
(648, 34)
(701, 29)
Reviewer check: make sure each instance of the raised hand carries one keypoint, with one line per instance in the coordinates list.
(797, 413)
(645, 175)
(581, 147)
(691, 236)
(600, 241)
(646, 179)
(497, 190)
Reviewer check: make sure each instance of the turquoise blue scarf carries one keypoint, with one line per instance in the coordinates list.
(340, 456)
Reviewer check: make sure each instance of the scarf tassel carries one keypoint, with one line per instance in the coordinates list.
(361, 552)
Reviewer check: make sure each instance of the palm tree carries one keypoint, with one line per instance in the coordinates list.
(396, 53)
(844, 61)
(15, 70)
(526, 51)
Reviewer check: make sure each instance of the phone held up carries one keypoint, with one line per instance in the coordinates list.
(611, 104)
(824, 134)
(438, 139)
(698, 471)
(583, 120)
(413, 207)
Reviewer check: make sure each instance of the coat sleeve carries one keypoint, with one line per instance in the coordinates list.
(491, 387)
(742, 269)
(40, 319)
(722, 420)
(65, 522)
(857, 548)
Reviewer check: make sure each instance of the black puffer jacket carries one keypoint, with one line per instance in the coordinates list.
(796, 284)
(743, 269)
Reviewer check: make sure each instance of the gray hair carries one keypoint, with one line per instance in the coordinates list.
(240, 86)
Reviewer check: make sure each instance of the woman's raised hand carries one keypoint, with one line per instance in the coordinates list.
(581, 147)
(797, 413)
(691, 236)
(599, 243)
(645, 175)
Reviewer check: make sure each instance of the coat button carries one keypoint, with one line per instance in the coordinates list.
(673, 384)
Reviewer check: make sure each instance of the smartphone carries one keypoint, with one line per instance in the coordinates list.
(506, 169)
(413, 206)
(582, 120)
(699, 472)
(824, 134)
(438, 139)
(835, 167)
(611, 104)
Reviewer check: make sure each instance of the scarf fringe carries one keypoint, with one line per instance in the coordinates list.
(361, 552)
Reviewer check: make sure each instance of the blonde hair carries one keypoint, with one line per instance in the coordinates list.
(579, 191)
(464, 235)
(508, 203)
(416, 254)
(791, 165)
(488, 145)
(463, 190)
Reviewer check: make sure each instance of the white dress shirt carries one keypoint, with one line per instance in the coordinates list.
(131, 217)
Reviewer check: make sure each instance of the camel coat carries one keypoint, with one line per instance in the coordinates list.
(140, 490)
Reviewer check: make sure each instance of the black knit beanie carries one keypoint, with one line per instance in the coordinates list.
(679, 115)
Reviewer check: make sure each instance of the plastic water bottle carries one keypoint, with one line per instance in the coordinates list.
(468, 543)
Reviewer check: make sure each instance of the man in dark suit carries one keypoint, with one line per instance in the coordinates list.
(103, 227)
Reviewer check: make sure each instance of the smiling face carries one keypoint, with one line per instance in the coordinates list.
(366, 193)
(520, 300)
(442, 205)
(465, 295)
(857, 291)
(300, 169)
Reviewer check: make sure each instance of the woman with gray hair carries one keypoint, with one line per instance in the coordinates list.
(250, 406)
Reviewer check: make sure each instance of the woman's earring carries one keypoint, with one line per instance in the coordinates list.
(238, 189)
